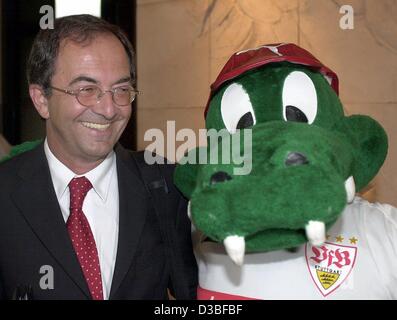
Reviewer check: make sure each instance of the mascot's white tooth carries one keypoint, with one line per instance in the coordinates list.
(350, 187)
(235, 248)
(315, 232)
(189, 213)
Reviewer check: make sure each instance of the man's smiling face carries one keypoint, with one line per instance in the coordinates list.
(79, 133)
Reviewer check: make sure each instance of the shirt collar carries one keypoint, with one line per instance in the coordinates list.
(100, 176)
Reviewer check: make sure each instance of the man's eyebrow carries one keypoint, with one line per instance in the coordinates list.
(83, 78)
(122, 80)
(92, 80)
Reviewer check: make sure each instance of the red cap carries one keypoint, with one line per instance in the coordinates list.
(246, 60)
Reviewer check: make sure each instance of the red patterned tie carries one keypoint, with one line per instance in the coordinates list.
(82, 238)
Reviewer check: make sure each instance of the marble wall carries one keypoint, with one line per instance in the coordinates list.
(182, 45)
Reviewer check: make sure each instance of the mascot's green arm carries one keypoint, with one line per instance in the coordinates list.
(20, 148)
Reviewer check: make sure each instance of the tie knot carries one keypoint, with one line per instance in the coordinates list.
(79, 188)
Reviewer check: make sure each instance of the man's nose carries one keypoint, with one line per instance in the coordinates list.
(105, 105)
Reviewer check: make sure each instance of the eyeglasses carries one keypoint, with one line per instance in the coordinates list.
(91, 95)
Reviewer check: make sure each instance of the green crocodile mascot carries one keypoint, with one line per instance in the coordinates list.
(290, 223)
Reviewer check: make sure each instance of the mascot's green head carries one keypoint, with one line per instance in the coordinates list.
(307, 159)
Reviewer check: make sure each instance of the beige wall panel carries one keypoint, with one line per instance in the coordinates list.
(185, 118)
(143, 2)
(242, 24)
(173, 55)
(365, 58)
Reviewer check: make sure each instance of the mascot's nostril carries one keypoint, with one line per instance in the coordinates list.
(296, 159)
(220, 176)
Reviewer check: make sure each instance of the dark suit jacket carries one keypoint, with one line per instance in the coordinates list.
(33, 234)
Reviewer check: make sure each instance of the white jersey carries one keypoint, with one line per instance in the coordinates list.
(357, 261)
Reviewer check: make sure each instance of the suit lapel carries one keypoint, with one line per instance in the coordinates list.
(132, 215)
(42, 212)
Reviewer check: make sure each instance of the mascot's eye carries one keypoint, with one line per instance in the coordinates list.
(236, 108)
(299, 98)
(220, 176)
(292, 113)
(245, 121)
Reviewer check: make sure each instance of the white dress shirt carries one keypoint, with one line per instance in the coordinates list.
(101, 207)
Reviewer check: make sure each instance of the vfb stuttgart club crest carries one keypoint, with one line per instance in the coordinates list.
(329, 265)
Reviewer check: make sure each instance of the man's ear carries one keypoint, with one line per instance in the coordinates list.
(39, 99)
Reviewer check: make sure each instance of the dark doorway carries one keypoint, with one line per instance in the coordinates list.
(20, 23)
(123, 14)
